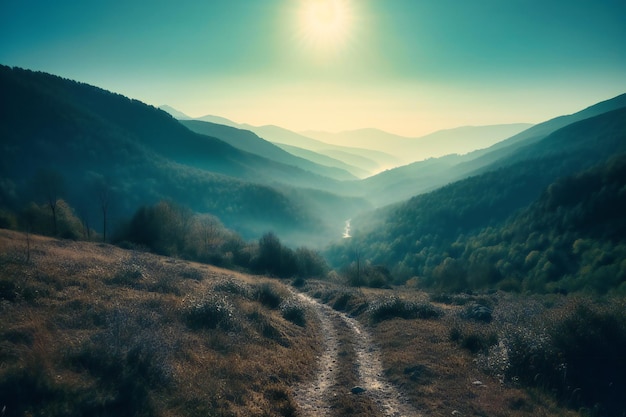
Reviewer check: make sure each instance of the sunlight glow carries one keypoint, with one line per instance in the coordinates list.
(325, 24)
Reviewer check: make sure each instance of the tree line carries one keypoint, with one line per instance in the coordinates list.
(572, 238)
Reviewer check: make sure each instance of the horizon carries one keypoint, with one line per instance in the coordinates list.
(335, 132)
(402, 67)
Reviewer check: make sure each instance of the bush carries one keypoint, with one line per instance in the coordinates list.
(268, 295)
(211, 312)
(474, 335)
(592, 342)
(342, 301)
(234, 287)
(394, 307)
(575, 351)
(293, 311)
(477, 342)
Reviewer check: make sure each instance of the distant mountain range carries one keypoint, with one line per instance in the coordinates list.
(460, 140)
(246, 140)
(373, 150)
(264, 178)
(404, 182)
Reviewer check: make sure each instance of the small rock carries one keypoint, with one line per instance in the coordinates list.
(477, 383)
(456, 413)
(357, 390)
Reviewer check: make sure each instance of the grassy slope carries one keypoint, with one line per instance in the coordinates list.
(90, 329)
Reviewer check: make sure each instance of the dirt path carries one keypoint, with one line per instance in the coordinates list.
(314, 398)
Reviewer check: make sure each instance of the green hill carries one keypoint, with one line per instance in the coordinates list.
(426, 236)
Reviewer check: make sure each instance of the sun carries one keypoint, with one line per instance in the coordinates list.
(325, 24)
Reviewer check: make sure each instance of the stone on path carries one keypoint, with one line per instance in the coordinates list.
(357, 390)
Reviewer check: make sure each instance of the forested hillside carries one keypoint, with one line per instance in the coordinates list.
(71, 139)
(443, 237)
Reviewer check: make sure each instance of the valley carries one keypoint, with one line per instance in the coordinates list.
(162, 265)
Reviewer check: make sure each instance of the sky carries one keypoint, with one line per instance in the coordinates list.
(409, 67)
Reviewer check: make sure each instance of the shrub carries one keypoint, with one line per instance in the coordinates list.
(592, 341)
(476, 342)
(532, 359)
(210, 312)
(268, 295)
(392, 307)
(299, 282)
(293, 311)
(474, 337)
(574, 351)
(165, 284)
(234, 287)
(342, 301)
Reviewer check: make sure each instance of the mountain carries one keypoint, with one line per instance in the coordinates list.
(177, 114)
(249, 142)
(459, 140)
(483, 158)
(83, 135)
(174, 113)
(325, 160)
(404, 182)
(222, 121)
(417, 236)
(366, 159)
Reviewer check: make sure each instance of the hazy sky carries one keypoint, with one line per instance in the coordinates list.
(406, 66)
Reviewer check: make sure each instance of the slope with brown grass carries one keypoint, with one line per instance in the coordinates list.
(91, 329)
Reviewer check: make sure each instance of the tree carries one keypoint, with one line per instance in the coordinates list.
(210, 230)
(50, 184)
(275, 259)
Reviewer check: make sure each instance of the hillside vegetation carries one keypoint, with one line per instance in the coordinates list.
(90, 329)
(496, 289)
(483, 232)
(90, 138)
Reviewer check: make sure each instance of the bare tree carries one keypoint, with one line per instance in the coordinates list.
(210, 232)
(103, 190)
(50, 184)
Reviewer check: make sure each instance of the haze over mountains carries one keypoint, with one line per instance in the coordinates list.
(268, 178)
(359, 161)
(460, 140)
(374, 148)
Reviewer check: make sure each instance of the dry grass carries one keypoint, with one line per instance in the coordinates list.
(428, 365)
(90, 329)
